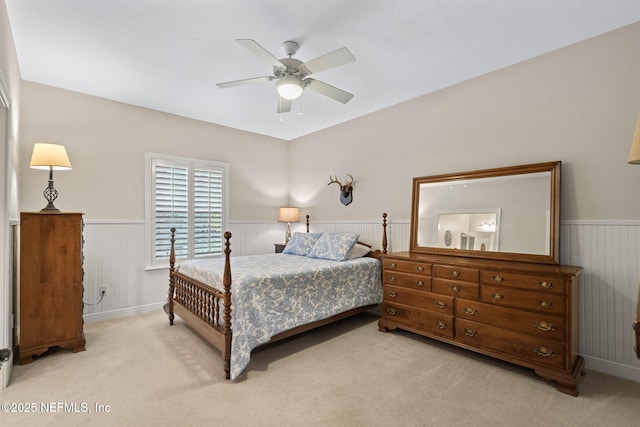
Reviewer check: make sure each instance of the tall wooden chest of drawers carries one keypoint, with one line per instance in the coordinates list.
(50, 290)
(524, 313)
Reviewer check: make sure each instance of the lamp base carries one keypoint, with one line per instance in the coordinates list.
(287, 236)
(50, 193)
(50, 208)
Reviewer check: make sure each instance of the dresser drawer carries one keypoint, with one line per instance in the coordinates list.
(418, 299)
(532, 349)
(538, 301)
(540, 324)
(416, 318)
(524, 281)
(455, 288)
(413, 281)
(456, 273)
(413, 267)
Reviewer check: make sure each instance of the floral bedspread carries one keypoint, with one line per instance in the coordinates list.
(276, 292)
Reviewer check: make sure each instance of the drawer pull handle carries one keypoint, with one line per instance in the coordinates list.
(455, 289)
(545, 304)
(455, 273)
(470, 311)
(420, 283)
(545, 285)
(498, 279)
(545, 352)
(393, 294)
(441, 325)
(470, 332)
(440, 304)
(392, 311)
(498, 297)
(545, 326)
(392, 278)
(420, 268)
(392, 265)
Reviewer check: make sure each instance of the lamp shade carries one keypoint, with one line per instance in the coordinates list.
(289, 215)
(49, 156)
(289, 87)
(634, 155)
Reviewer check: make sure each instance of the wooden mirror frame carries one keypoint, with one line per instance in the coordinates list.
(554, 194)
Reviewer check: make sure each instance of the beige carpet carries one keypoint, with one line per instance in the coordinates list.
(346, 374)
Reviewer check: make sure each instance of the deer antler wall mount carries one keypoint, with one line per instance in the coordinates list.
(346, 189)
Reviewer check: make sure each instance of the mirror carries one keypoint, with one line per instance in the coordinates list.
(509, 213)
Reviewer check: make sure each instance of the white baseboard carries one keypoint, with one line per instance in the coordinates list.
(123, 312)
(627, 372)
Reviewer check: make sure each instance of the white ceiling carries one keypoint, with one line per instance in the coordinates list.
(168, 55)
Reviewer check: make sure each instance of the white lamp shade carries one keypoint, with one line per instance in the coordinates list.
(46, 156)
(289, 215)
(289, 87)
(634, 155)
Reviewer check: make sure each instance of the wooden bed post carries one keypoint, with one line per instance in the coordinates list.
(307, 223)
(172, 279)
(226, 317)
(384, 232)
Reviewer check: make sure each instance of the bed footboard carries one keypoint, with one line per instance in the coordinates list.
(204, 308)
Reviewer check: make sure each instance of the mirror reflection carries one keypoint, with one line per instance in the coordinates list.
(471, 229)
(506, 210)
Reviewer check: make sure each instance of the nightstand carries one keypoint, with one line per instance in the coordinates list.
(279, 247)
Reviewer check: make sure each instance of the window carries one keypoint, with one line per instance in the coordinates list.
(191, 196)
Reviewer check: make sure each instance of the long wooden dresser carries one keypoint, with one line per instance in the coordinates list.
(520, 312)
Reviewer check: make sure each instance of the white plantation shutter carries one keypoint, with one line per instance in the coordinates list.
(189, 195)
(171, 209)
(207, 212)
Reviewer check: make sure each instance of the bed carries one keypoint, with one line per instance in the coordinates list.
(273, 296)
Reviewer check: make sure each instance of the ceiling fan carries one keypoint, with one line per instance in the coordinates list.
(292, 75)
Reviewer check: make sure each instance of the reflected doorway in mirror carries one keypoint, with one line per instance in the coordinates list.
(474, 229)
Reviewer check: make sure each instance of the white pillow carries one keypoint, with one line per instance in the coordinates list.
(358, 251)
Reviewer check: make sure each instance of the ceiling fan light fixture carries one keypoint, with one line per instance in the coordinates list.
(289, 87)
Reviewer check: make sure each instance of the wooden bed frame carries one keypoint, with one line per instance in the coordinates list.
(199, 305)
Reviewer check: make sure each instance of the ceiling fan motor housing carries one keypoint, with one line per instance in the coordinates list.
(292, 68)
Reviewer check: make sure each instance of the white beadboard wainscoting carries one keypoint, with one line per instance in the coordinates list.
(608, 251)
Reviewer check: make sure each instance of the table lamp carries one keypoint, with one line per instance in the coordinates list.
(50, 157)
(288, 215)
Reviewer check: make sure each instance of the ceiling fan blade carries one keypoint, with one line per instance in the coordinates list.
(245, 81)
(328, 90)
(263, 53)
(284, 105)
(333, 59)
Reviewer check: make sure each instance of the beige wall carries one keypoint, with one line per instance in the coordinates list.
(578, 105)
(106, 142)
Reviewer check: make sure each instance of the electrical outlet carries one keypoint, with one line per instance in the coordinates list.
(103, 290)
